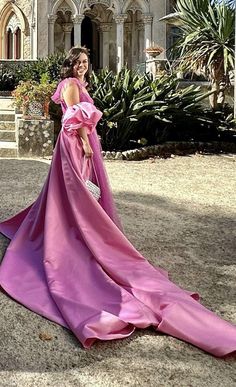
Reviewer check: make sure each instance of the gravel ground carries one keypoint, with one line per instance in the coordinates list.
(180, 213)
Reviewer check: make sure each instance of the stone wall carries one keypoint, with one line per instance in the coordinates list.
(35, 138)
(171, 149)
(158, 9)
(42, 26)
(25, 6)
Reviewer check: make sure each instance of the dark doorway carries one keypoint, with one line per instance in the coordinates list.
(90, 39)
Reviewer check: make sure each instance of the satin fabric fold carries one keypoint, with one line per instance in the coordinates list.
(81, 115)
(69, 261)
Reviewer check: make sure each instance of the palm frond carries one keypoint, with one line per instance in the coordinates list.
(207, 34)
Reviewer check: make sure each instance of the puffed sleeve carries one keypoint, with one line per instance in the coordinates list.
(81, 115)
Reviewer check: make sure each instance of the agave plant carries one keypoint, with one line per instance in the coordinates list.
(207, 41)
(115, 95)
(135, 106)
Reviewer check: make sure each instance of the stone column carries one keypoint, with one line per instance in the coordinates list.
(147, 19)
(51, 21)
(77, 21)
(67, 28)
(159, 27)
(14, 45)
(105, 28)
(33, 40)
(120, 19)
(128, 45)
(134, 42)
(100, 47)
(140, 42)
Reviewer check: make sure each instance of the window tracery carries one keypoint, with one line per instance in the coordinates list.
(13, 38)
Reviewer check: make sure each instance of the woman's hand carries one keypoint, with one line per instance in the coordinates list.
(88, 152)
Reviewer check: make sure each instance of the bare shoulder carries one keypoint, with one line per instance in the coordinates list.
(70, 92)
(69, 84)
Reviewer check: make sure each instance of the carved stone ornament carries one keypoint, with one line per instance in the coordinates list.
(105, 27)
(13, 23)
(140, 26)
(52, 19)
(67, 27)
(86, 5)
(134, 7)
(147, 19)
(93, 2)
(64, 7)
(77, 19)
(120, 19)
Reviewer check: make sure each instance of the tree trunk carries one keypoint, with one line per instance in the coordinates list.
(217, 99)
(221, 94)
(215, 86)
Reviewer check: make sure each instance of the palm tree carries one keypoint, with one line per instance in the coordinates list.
(207, 41)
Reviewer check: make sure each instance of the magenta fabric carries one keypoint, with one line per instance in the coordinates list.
(82, 115)
(69, 261)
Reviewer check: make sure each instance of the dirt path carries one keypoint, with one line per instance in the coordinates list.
(180, 213)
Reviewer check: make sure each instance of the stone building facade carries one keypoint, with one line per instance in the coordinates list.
(116, 31)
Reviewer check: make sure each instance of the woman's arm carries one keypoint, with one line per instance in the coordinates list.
(71, 96)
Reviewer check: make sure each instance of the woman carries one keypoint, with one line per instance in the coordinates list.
(68, 259)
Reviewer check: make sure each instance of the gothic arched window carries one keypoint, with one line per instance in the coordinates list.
(13, 41)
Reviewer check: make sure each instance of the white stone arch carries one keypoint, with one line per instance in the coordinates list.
(133, 31)
(112, 5)
(59, 4)
(100, 14)
(6, 13)
(136, 5)
(69, 8)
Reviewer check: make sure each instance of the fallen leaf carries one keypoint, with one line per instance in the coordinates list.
(44, 336)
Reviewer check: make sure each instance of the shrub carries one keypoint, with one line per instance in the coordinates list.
(50, 65)
(9, 77)
(136, 107)
(221, 122)
(28, 92)
(12, 73)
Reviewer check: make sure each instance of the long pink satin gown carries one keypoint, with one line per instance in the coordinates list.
(69, 261)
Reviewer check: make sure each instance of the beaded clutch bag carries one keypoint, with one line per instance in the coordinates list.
(94, 189)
